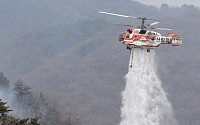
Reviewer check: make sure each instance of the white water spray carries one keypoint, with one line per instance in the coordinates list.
(144, 100)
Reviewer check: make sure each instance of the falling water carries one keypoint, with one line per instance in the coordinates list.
(144, 100)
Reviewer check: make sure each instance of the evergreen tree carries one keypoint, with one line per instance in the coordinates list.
(3, 109)
(34, 121)
(21, 90)
(5, 119)
(4, 82)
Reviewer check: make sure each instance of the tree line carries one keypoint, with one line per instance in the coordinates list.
(39, 108)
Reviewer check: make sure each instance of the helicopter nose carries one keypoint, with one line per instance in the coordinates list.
(121, 39)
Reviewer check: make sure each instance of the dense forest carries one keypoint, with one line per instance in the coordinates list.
(73, 66)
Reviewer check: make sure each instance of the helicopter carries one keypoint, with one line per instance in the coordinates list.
(142, 37)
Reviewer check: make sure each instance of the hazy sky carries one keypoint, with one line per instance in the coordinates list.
(178, 3)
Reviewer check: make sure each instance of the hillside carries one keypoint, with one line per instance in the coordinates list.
(68, 51)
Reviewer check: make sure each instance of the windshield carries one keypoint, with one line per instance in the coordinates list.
(130, 31)
(142, 31)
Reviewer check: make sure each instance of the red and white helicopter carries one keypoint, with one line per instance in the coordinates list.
(141, 37)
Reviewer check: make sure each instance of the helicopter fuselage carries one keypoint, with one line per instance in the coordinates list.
(141, 38)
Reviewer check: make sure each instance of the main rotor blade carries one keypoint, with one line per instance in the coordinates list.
(162, 29)
(123, 25)
(154, 23)
(114, 14)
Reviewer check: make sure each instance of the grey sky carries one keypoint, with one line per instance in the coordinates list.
(178, 3)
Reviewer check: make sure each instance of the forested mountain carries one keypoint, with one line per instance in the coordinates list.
(69, 51)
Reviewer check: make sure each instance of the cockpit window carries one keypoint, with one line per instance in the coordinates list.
(122, 35)
(130, 31)
(142, 31)
(127, 35)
